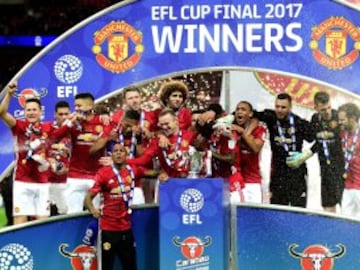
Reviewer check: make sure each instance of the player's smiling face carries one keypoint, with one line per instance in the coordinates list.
(344, 121)
(32, 112)
(168, 124)
(282, 108)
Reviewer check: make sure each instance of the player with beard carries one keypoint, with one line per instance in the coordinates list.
(147, 126)
(349, 115)
(330, 154)
(287, 134)
(173, 158)
(250, 147)
(148, 119)
(173, 95)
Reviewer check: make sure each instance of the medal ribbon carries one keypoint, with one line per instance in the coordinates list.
(323, 142)
(170, 162)
(213, 147)
(126, 198)
(132, 145)
(292, 134)
(133, 142)
(142, 119)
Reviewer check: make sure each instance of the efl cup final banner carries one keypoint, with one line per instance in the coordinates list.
(135, 42)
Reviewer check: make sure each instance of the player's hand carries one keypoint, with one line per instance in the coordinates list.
(34, 144)
(136, 130)
(164, 141)
(163, 177)
(296, 159)
(95, 212)
(293, 160)
(105, 119)
(206, 117)
(238, 129)
(12, 87)
(114, 134)
(79, 116)
(147, 134)
(106, 161)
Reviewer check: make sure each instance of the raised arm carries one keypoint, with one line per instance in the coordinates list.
(8, 119)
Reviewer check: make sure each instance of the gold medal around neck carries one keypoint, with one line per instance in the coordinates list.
(23, 161)
(129, 211)
(345, 176)
(328, 162)
(106, 246)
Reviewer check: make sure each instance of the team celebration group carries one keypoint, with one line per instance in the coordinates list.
(107, 162)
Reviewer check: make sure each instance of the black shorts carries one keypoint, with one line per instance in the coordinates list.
(332, 187)
(289, 189)
(119, 244)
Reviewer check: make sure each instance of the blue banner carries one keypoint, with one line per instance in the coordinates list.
(285, 238)
(293, 46)
(271, 237)
(194, 224)
(57, 244)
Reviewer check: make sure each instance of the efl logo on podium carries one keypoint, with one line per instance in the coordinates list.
(192, 201)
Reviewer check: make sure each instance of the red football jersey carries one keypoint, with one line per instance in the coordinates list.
(173, 160)
(115, 216)
(59, 150)
(249, 160)
(82, 164)
(352, 180)
(27, 169)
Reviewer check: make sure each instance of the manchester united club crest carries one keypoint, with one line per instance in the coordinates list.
(335, 43)
(118, 46)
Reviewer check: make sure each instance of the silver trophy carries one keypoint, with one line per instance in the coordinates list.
(196, 162)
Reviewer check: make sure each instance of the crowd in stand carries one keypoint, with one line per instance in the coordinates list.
(39, 17)
(49, 17)
(84, 154)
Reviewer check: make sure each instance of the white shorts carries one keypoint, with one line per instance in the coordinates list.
(350, 204)
(58, 196)
(139, 197)
(236, 197)
(252, 193)
(75, 194)
(31, 199)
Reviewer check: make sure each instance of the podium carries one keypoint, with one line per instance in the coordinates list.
(194, 224)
